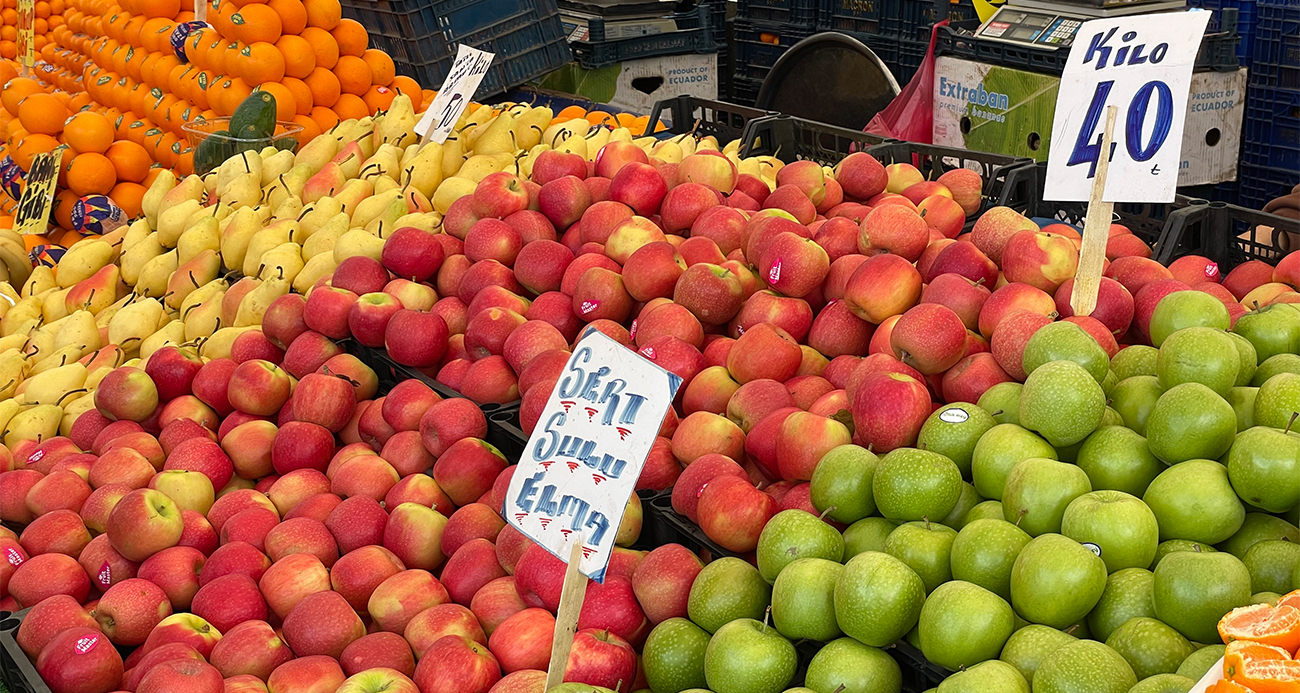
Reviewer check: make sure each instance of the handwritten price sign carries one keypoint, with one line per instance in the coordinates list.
(26, 33)
(33, 214)
(457, 91)
(583, 459)
(1141, 64)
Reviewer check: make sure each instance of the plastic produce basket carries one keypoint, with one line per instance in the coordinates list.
(1228, 234)
(695, 35)
(1277, 45)
(1245, 23)
(725, 121)
(806, 14)
(1146, 220)
(421, 36)
(197, 132)
(17, 671)
(759, 46)
(791, 139)
(1257, 183)
(1272, 127)
(864, 16)
(391, 372)
(1008, 181)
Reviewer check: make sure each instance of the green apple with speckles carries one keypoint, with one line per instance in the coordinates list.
(794, 534)
(1194, 500)
(953, 430)
(848, 666)
(1065, 341)
(1062, 402)
(1278, 402)
(1264, 468)
(1084, 666)
(988, 510)
(1272, 565)
(1271, 330)
(1120, 525)
(1118, 459)
(1191, 421)
(1002, 402)
(984, 552)
(1271, 366)
(841, 483)
(878, 598)
(867, 534)
(963, 624)
(1175, 545)
(1164, 683)
(1135, 398)
(1200, 661)
(1138, 359)
(926, 548)
(1056, 581)
(673, 656)
(1247, 359)
(1193, 590)
(968, 499)
(1184, 310)
(803, 599)
(748, 656)
(1149, 646)
(998, 451)
(1259, 527)
(1038, 492)
(986, 677)
(911, 484)
(1199, 355)
(1242, 400)
(1127, 595)
(725, 590)
(1029, 646)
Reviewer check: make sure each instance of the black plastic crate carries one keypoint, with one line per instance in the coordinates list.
(759, 46)
(1228, 234)
(1245, 23)
(678, 529)
(862, 16)
(505, 434)
(391, 372)
(421, 36)
(1008, 181)
(744, 91)
(796, 13)
(1258, 184)
(1147, 220)
(17, 671)
(694, 35)
(911, 53)
(688, 114)
(1277, 45)
(791, 139)
(1272, 126)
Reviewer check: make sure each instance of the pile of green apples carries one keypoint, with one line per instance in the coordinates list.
(1080, 532)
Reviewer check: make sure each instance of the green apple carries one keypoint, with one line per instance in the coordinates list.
(912, 484)
(984, 552)
(803, 599)
(867, 534)
(848, 666)
(878, 598)
(725, 590)
(1110, 417)
(1272, 565)
(988, 510)
(1065, 341)
(1193, 590)
(1002, 402)
(748, 656)
(1278, 401)
(1061, 401)
(1122, 527)
(1056, 581)
(1270, 598)
(1258, 527)
(1264, 468)
(673, 656)
(1149, 646)
(926, 547)
(1028, 646)
(841, 483)
(1199, 355)
(1118, 459)
(1135, 398)
(1242, 400)
(998, 451)
(1127, 596)
(1108, 383)
(1163, 683)
(1271, 330)
(953, 430)
(1183, 310)
(993, 675)
(1038, 491)
(1175, 545)
(1247, 359)
(580, 688)
(1084, 665)
(1138, 359)
(1194, 500)
(1200, 661)
(794, 534)
(1273, 365)
(963, 624)
(1191, 421)
(969, 499)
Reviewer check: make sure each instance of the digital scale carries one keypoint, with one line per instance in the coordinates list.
(1052, 25)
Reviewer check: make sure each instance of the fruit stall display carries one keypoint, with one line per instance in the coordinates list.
(897, 461)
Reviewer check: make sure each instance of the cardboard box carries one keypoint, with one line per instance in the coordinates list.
(635, 85)
(1002, 110)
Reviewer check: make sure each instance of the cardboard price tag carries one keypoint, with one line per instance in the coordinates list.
(582, 461)
(457, 91)
(34, 208)
(26, 33)
(1142, 64)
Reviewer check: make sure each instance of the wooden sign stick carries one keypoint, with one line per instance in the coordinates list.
(1096, 229)
(566, 617)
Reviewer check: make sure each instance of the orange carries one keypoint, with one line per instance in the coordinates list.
(88, 132)
(310, 129)
(30, 146)
(382, 70)
(378, 98)
(262, 62)
(569, 113)
(91, 174)
(1226, 686)
(325, 118)
(64, 201)
(405, 85)
(351, 37)
(256, 22)
(15, 90)
(293, 15)
(162, 70)
(1290, 599)
(1263, 624)
(324, 87)
(323, 14)
(301, 94)
(350, 106)
(149, 33)
(323, 43)
(286, 107)
(602, 118)
(158, 8)
(130, 161)
(299, 56)
(31, 240)
(353, 74)
(42, 114)
(41, 9)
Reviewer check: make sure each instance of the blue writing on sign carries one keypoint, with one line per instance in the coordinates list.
(1099, 48)
(1087, 150)
(536, 497)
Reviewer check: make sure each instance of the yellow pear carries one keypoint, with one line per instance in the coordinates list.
(386, 223)
(24, 311)
(353, 192)
(373, 206)
(398, 124)
(424, 172)
(234, 296)
(55, 305)
(201, 236)
(139, 255)
(281, 262)
(134, 322)
(320, 265)
(81, 330)
(498, 137)
(254, 305)
(96, 292)
(242, 226)
(453, 155)
(384, 184)
(218, 345)
(532, 123)
(72, 411)
(427, 221)
(450, 190)
(156, 273)
(39, 422)
(13, 370)
(161, 185)
(316, 153)
(244, 191)
(201, 294)
(41, 278)
(82, 260)
(203, 318)
(53, 385)
(358, 242)
(290, 184)
(574, 145)
(191, 275)
(171, 221)
(289, 208)
(55, 359)
(479, 166)
(235, 166)
(274, 165)
(386, 161)
(324, 239)
(315, 215)
(173, 333)
(263, 241)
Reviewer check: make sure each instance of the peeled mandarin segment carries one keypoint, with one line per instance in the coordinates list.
(1270, 676)
(1290, 599)
(1279, 626)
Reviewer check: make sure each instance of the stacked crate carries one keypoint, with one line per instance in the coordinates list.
(764, 30)
(1270, 156)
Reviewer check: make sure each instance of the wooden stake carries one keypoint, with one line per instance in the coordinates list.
(1096, 229)
(566, 618)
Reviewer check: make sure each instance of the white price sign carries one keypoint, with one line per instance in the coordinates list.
(1141, 64)
(582, 461)
(457, 91)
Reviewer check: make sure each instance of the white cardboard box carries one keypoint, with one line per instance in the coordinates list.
(635, 85)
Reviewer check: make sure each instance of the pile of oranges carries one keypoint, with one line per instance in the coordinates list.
(48, 17)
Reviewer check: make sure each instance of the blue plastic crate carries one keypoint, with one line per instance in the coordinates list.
(912, 19)
(744, 91)
(1276, 61)
(1272, 126)
(421, 36)
(1257, 184)
(759, 46)
(694, 35)
(911, 53)
(861, 16)
(1246, 12)
(806, 14)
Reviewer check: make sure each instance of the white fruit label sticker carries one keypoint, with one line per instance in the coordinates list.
(457, 91)
(584, 457)
(954, 415)
(1096, 550)
(1142, 65)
